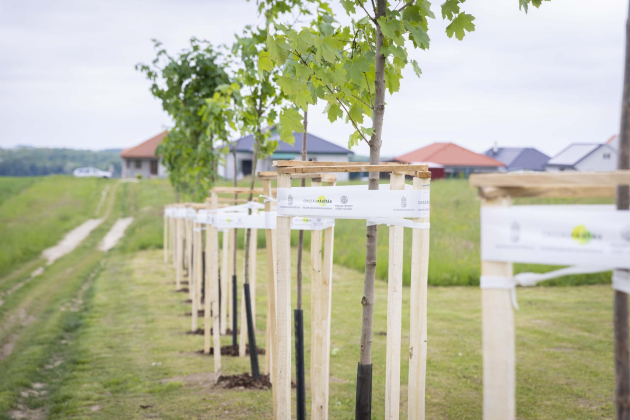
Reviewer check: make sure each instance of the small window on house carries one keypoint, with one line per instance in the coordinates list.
(128, 162)
(312, 159)
(138, 164)
(154, 167)
(606, 155)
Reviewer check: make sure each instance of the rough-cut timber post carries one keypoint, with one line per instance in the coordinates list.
(418, 322)
(282, 362)
(179, 260)
(212, 284)
(394, 312)
(173, 239)
(270, 353)
(195, 277)
(224, 281)
(499, 366)
(620, 318)
(318, 408)
(231, 274)
(165, 247)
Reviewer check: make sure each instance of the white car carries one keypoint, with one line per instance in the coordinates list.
(91, 172)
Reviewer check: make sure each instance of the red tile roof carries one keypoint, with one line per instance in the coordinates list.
(145, 149)
(448, 154)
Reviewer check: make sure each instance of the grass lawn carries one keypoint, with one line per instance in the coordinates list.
(42, 213)
(130, 351)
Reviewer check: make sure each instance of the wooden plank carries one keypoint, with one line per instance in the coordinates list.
(301, 163)
(327, 277)
(231, 200)
(230, 273)
(418, 321)
(318, 407)
(179, 265)
(195, 278)
(499, 360)
(236, 190)
(253, 250)
(557, 179)
(273, 175)
(394, 313)
(270, 353)
(189, 256)
(282, 362)
(165, 246)
(551, 191)
(407, 169)
(224, 281)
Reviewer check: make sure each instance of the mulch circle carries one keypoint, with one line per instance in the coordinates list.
(183, 282)
(232, 351)
(198, 331)
(182, 290)
(244, 381)
(200, 312)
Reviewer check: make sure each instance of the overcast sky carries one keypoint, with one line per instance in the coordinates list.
(545, 79)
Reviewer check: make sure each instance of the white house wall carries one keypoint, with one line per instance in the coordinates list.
(602, 159)
(129, 169)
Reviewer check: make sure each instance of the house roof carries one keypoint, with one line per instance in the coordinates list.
(574, 153)
(449, 154)
(314, 144)
(613, 142)
(519, 157)
(146, 149)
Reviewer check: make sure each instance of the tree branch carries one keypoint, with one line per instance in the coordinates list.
(359, 99)
(368, 88)
(409, 3)
(366, 12)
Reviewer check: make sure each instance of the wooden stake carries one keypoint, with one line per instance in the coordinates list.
(178, 253)
(174, 241)
(193, 279)
(253, 246)
(394, 312)
(270, 353)
(165, 246)
(418, 323)
(224, 280)
(319, 409)
(189, 255)
(230, 273)
(242, 339)
(499, 367)
(282, 362)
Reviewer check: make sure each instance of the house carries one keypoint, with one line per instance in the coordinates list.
(317, 149)
(519, 158)
(613, 141)
(592, 157)
(141, 160)
(455, 161)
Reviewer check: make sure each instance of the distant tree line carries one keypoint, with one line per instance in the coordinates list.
(28, 161)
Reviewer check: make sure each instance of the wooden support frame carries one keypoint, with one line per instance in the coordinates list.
(499, 349)
(282, 361)
(211, 304)
(253, 248)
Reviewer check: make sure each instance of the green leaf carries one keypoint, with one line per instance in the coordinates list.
(395, 51)
(357, 66)
(356, 113)
(288, 85)
(355, 137)
(416, 68)
(349, 6)
(304, 40)
(327, 48)
(463, 22)
(450, 8)
(392, 80)
(334, 112)
(389, 26)
(264, 63)
(290, 121)
(303, 72)
(418, 35)
(278, 49)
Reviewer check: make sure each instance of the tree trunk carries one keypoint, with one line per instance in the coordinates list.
(298, 315)
(363, 409)
(620, 318)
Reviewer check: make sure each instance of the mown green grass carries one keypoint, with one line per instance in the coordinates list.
(131, 350)
(42, 214)
(10, 186)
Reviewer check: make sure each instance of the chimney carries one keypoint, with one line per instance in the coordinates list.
(495, 148)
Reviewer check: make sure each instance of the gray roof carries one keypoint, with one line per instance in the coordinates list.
(573, 154)
(314, 144)
(519, 158)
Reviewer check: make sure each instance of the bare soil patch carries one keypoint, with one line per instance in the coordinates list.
(232, 351)
(243, 381)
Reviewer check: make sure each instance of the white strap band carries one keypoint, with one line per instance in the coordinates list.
(392, 221)
(621, 281)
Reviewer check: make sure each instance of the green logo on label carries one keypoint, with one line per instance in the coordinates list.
(321, 200)
(581, 234)
(305, 219)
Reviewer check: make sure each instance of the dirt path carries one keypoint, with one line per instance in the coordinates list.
(115, 234)
(71, 240)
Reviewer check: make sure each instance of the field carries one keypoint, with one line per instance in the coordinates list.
(102, 335)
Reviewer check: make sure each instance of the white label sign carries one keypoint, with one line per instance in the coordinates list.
(351, 203)
(312, 223)
(557, 235)
(240, 221)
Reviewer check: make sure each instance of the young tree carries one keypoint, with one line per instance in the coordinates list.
(351, 68)
(183, 83)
